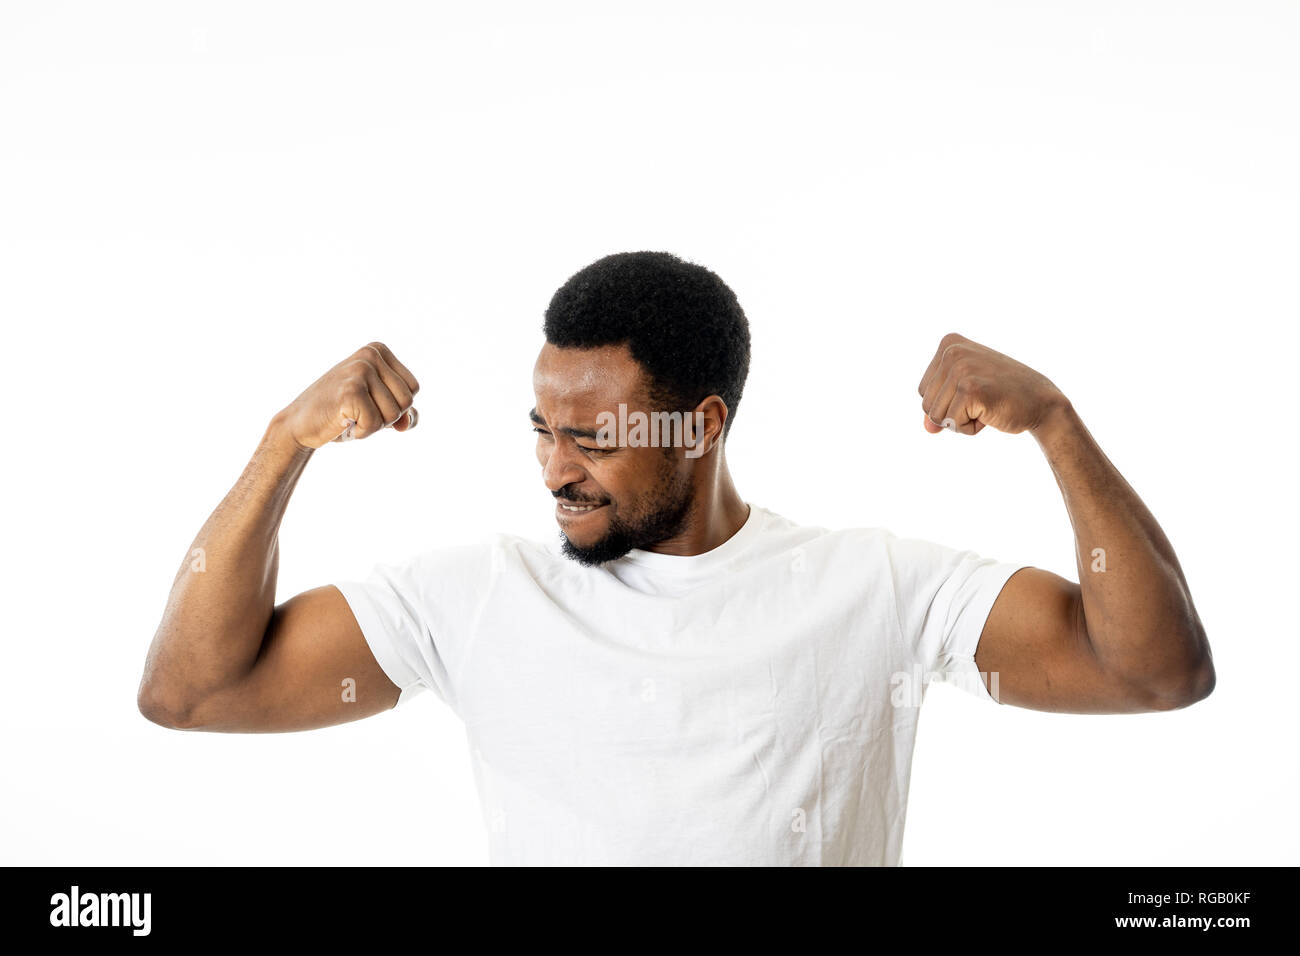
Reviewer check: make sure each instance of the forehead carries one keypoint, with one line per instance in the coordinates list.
(580, 383)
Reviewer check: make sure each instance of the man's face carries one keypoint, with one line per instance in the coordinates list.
(609, 500)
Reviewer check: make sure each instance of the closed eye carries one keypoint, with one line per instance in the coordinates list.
(582, 448)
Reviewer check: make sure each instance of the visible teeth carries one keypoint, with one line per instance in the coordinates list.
(577, 507)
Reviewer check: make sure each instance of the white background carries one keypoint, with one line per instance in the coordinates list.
(204, 206)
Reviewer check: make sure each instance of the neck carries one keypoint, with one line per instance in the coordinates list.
(717, 513)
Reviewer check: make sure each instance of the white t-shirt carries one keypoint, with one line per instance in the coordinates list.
(753, 705)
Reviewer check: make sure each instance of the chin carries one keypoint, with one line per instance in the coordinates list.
(594, 550)
(587, 537)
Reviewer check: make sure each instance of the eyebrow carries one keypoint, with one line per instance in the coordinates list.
(574, 432)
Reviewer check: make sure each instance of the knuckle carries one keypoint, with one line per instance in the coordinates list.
(355, 396)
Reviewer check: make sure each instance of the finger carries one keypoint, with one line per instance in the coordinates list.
(390, 377)
(957, 413)
(935, 368)
(930, 370)
(937, 398)
(407, 421)
(389, 407)
(391, 361)
(359, 408)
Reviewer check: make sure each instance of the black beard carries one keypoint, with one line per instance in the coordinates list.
(662, 524)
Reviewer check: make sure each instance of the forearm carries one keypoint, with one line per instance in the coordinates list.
(224, 593)
(1136, 605)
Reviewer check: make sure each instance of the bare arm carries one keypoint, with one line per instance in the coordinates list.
(1127, 638)
(225, 658)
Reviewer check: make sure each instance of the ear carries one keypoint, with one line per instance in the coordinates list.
(704, 426)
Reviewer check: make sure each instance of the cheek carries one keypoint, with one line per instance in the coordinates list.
(625, 483)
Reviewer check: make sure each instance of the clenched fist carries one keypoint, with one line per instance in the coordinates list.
(366, 392)
(968, 386)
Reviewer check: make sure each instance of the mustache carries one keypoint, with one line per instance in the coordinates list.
(571, 498)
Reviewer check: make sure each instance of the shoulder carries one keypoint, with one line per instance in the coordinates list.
(781, 534)
(778, 527)
(474, 560)
(864, 546)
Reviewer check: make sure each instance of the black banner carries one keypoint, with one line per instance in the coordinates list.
(231, 905)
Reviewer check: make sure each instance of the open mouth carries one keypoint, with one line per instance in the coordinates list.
(576, 509)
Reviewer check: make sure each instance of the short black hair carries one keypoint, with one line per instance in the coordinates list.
(680, 321)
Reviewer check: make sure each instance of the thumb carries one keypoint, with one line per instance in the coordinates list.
(407, 421)
(930, 426)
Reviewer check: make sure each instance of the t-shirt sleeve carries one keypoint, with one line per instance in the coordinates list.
(944, 599)
(419, 616)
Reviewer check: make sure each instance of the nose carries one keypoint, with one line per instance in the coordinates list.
(560, 467)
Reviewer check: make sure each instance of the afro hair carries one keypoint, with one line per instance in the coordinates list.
(680, 321)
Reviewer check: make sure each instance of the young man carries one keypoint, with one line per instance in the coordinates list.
(685, 678)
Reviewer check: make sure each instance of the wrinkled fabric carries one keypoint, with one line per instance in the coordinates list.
(753, 705)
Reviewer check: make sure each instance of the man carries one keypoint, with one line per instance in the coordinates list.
(685, 677)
